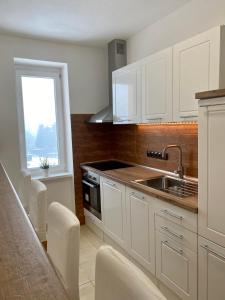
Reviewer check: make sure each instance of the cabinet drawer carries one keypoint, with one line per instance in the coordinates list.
(112, 183)
(176, 267)
(176, 232)
(176, 215)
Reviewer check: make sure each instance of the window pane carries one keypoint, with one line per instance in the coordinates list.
(40, 120)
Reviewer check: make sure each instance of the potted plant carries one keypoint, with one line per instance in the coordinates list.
(44, 165)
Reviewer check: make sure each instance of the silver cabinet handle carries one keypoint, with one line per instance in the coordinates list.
(111, 184)
(87, 183)
(128, 120)
(188, 117)
(206, 247)
(179, 236)
(153, 119)
(180, 251)
(167, 212)
(137, 196)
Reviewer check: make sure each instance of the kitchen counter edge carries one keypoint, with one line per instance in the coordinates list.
(189, 203)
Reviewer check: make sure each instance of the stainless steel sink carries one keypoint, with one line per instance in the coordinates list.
(178, 187)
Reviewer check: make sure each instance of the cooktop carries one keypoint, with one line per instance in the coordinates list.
(108, 165)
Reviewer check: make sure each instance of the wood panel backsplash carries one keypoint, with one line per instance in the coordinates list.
(130, 142)
(90, 142)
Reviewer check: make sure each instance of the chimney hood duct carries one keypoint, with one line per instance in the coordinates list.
(117, 58)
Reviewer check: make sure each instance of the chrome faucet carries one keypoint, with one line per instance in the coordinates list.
(180, 169)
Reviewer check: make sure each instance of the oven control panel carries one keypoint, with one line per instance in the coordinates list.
(93, 177)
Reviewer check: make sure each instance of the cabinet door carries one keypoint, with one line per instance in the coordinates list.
(157, 87)
(176, 267)
(113, 210)
(211, 173)
(196, 64)
(140, 223)
(211, 260)
(127, 95)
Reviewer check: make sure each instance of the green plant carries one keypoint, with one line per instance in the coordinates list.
(44, 164)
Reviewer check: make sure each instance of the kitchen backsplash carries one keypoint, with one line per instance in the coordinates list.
(90, 142)
(130, 142)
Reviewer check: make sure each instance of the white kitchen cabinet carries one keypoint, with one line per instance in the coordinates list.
(211, 264)
(140, 228)
(158, 235)
(179, 233)
(176, 215)
(211, 220)
(198, 65)
(127, 94)
(113, 199)
(176, 266)
(157, 87)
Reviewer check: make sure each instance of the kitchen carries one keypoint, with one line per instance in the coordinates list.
(169, 226)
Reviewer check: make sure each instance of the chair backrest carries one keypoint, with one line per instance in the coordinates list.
(64, 245)
(25, 188)
(117, 278)
(38, 208)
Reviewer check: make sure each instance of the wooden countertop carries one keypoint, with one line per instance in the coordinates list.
(210, 94)
(128, 175)
(25, 270)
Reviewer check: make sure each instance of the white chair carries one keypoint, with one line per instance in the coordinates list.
(38, 208)
(116, 278)
(64, 245)
(25, 189)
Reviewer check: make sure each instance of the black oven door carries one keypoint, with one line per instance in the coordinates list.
(91, 197)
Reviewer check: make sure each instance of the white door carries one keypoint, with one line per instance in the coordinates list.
(113, 210)
(176, 267)
(211, 217)
(211, 266)
(157, 87)
(127, 95)
(196, 66)
(140, 228)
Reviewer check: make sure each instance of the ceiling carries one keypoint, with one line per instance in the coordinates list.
(86, 22)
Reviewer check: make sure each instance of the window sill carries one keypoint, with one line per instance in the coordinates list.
(53, 176)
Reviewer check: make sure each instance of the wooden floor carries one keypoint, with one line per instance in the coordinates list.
(44, 244)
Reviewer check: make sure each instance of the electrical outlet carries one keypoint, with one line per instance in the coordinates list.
(156, 154)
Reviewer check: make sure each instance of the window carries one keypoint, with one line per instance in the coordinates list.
(41, 117)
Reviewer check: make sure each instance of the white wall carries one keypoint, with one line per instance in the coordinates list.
(87, 69)
(61, 190)
(194, 17)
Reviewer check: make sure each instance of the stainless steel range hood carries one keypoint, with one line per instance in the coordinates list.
(117, 58)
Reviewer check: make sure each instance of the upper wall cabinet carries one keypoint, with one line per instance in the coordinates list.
(197, 66)
(162, 87)
(127, 94)
(157, 87)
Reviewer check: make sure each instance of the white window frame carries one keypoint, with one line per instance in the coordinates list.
(43, 72)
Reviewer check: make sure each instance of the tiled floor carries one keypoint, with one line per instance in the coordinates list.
(89, 244)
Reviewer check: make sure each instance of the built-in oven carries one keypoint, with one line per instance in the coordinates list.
(91, 193)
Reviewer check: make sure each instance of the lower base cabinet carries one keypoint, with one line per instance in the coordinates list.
(159, 236)
(113, 210)
(211, 268)
(176, 266)
(140, 224)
